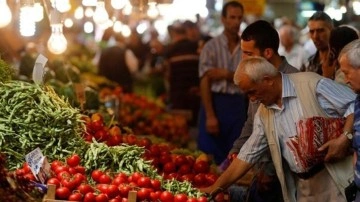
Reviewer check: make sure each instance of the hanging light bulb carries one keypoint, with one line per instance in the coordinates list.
(88, 27)
(152, 11)
(127, 9)
(117, 26)
(89, 2)
(100, 15)
(38, 12)
(79, 13)
(63, 5)
(57, 43)
(27, 22)
(118, 4)
(6, 14)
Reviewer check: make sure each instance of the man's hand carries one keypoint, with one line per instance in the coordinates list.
(212, 125)
(216, 74)
(337, 149)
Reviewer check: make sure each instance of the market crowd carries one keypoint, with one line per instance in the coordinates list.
(282, 111)
(267, 104)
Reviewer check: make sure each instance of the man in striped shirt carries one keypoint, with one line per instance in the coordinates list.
(224, 108)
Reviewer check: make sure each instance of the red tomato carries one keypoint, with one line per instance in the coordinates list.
(155, 184)
(26, 167)
(144, 142)
(112, 191)
(89, 197)
(80, 169)
(96, 125)
(62, 193)
(201, 167)
(85, 188)
(185, 169)
(105, 179)
(114, 140)
(119, 180)
(20, 172)
(102, 188)
(166, 196)
(192, 200)
(63, 175)
(56, 164)
(220, 197)
(115, 200)
(131, 139)
(180, 160)
(169, 167)
(101, 135)
(154, 150)
(210, 178)
(144, 182)
(30, 177)
(69, 183)
(124, 190)
(155, 196)
(187, 177)
(143, 194)
(95, 175)
(72, 170)
(59, 169)
(73, 160)
(134, 177)
(202, 199)
(180, 197)
(199, 180)
(75, 197)
(53, 181)
(102, 198)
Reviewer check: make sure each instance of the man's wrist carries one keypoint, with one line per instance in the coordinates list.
(348, 135)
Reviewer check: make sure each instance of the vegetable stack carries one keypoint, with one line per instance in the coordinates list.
(35, 116)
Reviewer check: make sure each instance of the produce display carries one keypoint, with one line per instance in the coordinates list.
(98, 155)
(35, 116)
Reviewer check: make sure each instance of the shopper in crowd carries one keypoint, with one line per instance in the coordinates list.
(339, 37)
(182, 73)
(223, 110)
(320, 25)
(350, 66)
(118, 63)
(285, 99)
(261, 39)
(290, 47)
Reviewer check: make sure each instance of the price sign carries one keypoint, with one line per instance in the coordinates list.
(39, 69)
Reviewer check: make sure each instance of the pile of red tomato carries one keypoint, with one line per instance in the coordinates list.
(72, 184)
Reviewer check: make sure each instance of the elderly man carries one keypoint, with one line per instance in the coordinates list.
(350, 66)
(285, 100)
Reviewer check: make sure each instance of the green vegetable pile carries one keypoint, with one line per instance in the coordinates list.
(123, 158)
(34, 116)
(6, 72)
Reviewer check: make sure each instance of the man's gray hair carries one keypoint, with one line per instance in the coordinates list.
(352, 52)
(256, 68)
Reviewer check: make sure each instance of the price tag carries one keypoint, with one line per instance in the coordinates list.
(39, 165)
(39, 69)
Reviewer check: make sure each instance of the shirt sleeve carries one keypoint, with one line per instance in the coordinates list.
(256, 145)
(336, 99)
(206, 59)
(131, 61)
(247, 128)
